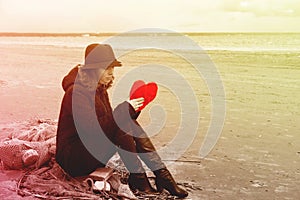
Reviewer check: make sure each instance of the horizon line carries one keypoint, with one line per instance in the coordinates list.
(115, 33)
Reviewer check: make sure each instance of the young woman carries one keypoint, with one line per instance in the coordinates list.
(83, 147)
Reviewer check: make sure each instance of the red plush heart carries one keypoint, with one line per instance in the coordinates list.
(141, 89)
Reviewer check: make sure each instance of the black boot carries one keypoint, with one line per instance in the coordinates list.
(164, 180)
(127, 150)
(140, 182)
(148, 154)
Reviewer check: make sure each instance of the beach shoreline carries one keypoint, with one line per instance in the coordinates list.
(258, 153)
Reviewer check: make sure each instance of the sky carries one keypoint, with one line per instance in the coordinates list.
(125, 15)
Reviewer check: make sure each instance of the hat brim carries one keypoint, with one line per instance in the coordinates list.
(103, 65)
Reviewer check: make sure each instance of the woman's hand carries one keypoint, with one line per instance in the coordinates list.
(136, 103)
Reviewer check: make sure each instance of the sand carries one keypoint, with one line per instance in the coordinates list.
(258, 153)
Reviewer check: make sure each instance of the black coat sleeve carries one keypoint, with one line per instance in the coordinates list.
(124, 114)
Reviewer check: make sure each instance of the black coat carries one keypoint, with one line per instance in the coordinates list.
(71, 152)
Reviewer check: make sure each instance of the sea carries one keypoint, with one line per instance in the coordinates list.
(251, 42)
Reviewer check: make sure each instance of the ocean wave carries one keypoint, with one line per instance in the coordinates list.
(133, 48)
(251, 49)
(235, 43)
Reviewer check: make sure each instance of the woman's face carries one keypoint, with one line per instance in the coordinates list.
(107, 77)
